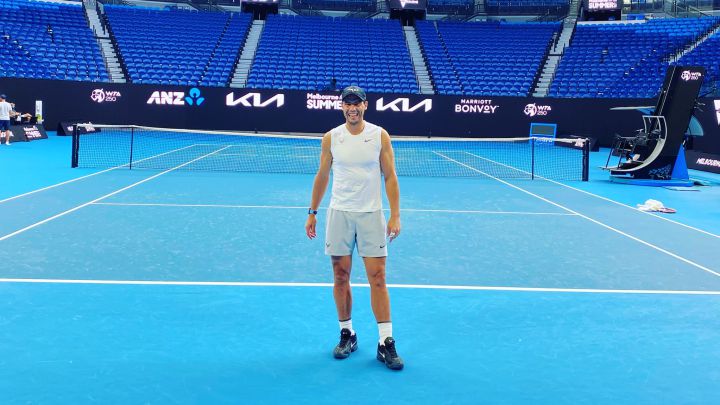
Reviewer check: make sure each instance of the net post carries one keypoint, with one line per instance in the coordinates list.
(132, 142)
(75, 146)
(586, 160)
(532, 162)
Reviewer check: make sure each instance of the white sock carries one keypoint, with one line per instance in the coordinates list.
(347, 324)
(385, 330)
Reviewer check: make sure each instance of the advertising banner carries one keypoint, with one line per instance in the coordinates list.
(297, 111)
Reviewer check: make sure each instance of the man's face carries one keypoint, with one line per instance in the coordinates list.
(354, 111)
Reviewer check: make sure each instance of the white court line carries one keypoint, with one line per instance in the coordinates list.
(10, 235)
(690, 262)
(256, 147)
(323, 208)
(268, 155)
(89, 175)
(328, 285)
(602, 198)
(203, 205)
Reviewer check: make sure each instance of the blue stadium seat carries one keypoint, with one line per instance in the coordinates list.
(707, 54)
(48, 41)
(187, 47)
(468, 58)
(627, 59)
(296, 51)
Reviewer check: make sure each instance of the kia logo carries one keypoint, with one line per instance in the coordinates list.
(254, 100)
(403, 105)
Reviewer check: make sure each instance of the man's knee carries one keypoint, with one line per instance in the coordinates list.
(376, 277)
(341, 271)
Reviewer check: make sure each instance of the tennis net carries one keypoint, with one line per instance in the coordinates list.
(138, 147)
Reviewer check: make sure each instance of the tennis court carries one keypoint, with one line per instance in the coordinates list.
(174, 285)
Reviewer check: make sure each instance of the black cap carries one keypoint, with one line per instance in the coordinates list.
(2, 96)
(353, 94)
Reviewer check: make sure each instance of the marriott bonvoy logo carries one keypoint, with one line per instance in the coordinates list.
(475, 106)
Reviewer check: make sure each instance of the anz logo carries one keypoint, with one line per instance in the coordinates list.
(403, 105)
(193, 98)
(254, 100)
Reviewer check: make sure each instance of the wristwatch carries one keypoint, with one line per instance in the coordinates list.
(312, 211)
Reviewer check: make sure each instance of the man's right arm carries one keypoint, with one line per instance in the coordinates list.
(320, 184)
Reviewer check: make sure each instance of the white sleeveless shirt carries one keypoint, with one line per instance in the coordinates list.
(356, 169)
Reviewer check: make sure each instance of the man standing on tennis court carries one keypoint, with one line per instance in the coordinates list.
(360, 154)
(5, 110)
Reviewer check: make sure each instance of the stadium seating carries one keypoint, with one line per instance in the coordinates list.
(707, 54)
(485, 58)
(178, 46)
(625, 60)
(300, 53)
(45, 40)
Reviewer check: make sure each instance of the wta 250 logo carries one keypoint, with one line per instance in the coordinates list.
(102, 96)
(687, 75)
(533, 109)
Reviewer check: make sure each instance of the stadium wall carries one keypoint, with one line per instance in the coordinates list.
(274, 110)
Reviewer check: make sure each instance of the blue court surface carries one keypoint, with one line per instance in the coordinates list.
(142, 286)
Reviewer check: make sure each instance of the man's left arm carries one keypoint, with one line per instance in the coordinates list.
(392, 187)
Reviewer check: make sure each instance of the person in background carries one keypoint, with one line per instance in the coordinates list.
(20, 118)
(5, 110)
(333, 85)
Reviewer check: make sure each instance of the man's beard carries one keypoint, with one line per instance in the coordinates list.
(359, 116)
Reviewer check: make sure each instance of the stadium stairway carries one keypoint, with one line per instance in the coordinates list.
(715, 29)
(421, 71)
(112, 63)
(247, 55)
(542, 87)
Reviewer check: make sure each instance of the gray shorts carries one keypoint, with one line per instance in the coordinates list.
(346, 229)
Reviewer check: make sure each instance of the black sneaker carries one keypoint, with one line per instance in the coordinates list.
(388, 355)
(347, 345)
